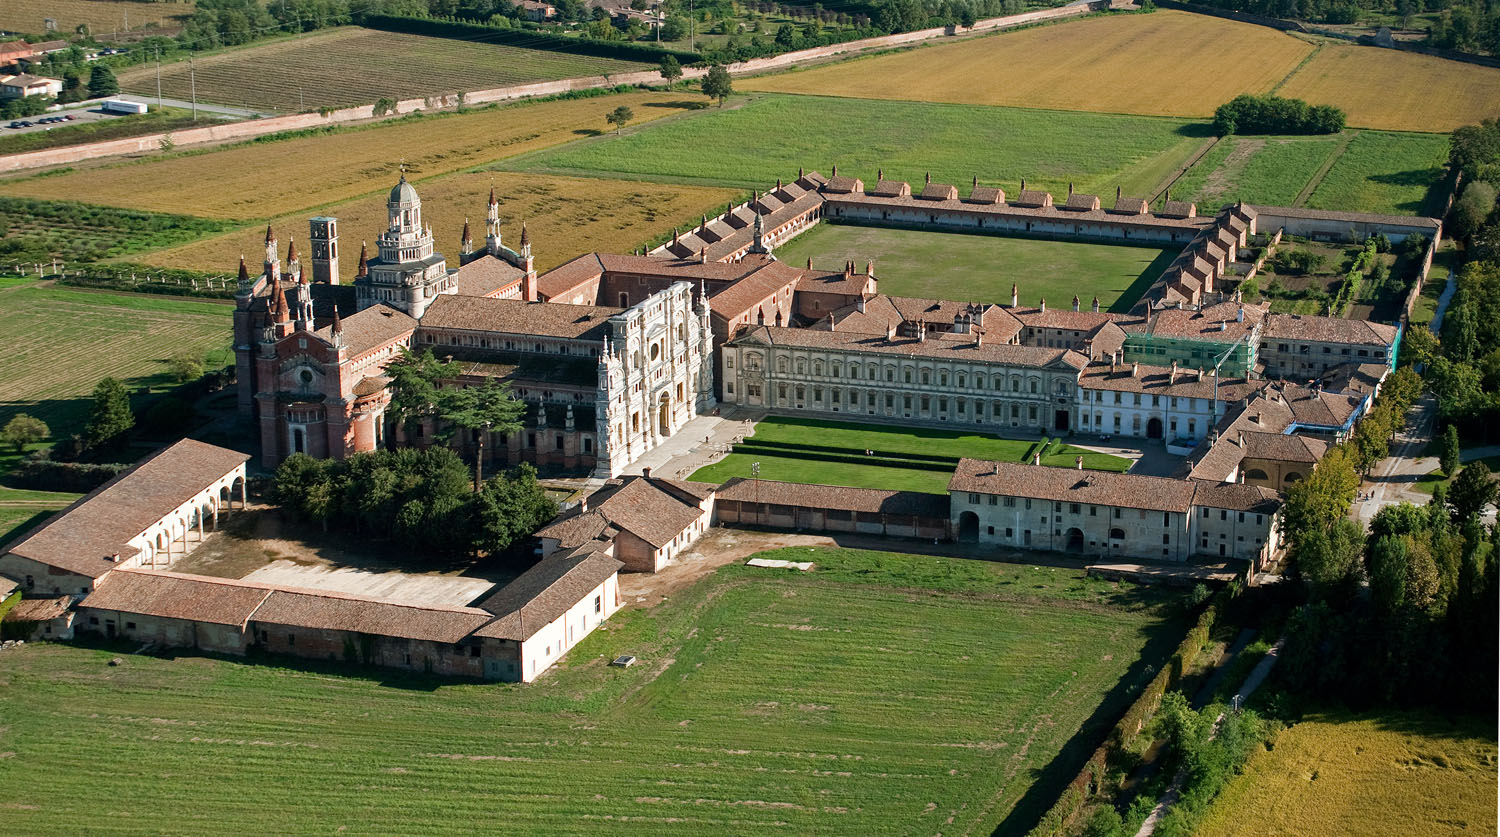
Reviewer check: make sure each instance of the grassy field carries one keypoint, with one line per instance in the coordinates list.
(60, 342)
(981, 268)
(1142, 64)
(878, 693)
(1398, 91)
(1384, 172)
(272, 177)
(38, 230)
(353, 66)
(1392, 773)
(102, 16)
(566, 216)
(1265, 170)
(782, 447)
(763, 138)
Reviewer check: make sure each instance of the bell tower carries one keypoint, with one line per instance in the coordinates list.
(324, 236)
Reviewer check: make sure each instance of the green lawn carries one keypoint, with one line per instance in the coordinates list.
(879, 693)
(981, 268)
(1428, 482)
(1384, 172)
(60, 342)
(904, 459)
(1264, 170)
(756, 140)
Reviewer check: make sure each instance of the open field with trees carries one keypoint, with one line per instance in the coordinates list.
(1397, 91)
(60, 342)
(352, 66)
(1385, 172)
(758, 140)
(101, 16)
(276, 174)
(981, 268)
(1267, 170)
(1138, 64)
(1371, 775)
(878, 692)
(37, 231)
(567, 216)
(904, 459)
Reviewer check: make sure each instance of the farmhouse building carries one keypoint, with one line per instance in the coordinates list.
(647, 520)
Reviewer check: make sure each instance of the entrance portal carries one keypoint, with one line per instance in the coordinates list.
(968, 527)
(1153, 429)
(1075, 540)
(664, 416)
(1060, 421)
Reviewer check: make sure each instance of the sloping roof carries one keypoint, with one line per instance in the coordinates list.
(1281, 447)
(329, 611)
(656, 511)
(950, 346)
(1321, 408)
(1328, 330)
(1179, 209)
(545, 592)
(1236, 497)
(486, 275)
(1081, 202)
(194, 598)
(576, 530)
(1069, 485)
(1033, 197)
(1130, 206)
(516, 316)
(986, 195)
(1416, 223)
(1159, 380)
(939, 192)
(891, 189)
(371, 328)
(834, 497)
(734, 300)
(842, 185)
(39, 610)
(81, 538)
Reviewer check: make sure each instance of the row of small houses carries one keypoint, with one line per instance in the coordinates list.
(90, 569)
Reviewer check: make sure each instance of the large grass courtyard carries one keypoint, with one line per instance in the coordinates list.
(982, 268)
(901, 459)
(879, 693)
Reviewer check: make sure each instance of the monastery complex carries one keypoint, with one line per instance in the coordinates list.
(615, 353)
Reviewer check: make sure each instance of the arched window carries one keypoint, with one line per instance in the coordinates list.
(818, 368)
(781, 364)
(963, 380)
(926, 376)
(801, 366)
(1255, 474)
(943, 378)
(1291, 477)
(1033, 385)
(1117, 534)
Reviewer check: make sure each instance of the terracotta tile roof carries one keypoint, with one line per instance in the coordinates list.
(734, 300)
(545, 592)
(1355, 377)
(985, 195)
(373, 327)
(1081, 202)
(1319, 407)
(1157, 380)
(958, 347)
(515, 316)
(1085, 321)
(1033, 198)
(653, 513)
(1130, 206)
(1329, 330)
(1179, 209)
(487, 275)
(7, 586)
(939, 192)
(39, 610)
(569, 276)
(1220, 322)
(1417, 223)
(1069, 485)
(882, 312)
(835, 498)
(328, 611)
(1236, 497)
(844, 185)
(195, 598)
(576, 530)
(836, 282)
(1019, 210)
(891, 189)
(81, 538)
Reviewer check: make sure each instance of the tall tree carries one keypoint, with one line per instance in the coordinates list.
(415, 381)
(482, 410)
(1473, 489)
(671, 70)
(1448, 458)
(110, 417)
(23, 430)
(716, 85)
(102, 82)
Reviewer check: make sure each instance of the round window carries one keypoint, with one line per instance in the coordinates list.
(306, 376)
(655, 351)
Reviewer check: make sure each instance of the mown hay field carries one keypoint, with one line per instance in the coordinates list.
(102, 16)
(982, 268)
(1385, 173)
(352, 66)
(879, 693)
(1265, 170)
(1398, 91)
(567, 216)
(1163, 64)
(264, 179)
(769, 137)
(60, 342)
(1390, 774)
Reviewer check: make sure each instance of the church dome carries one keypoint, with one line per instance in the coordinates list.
(403, 193)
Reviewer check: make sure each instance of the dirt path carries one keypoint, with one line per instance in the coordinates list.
(1224, 178)
(718, 547)
(1317, 178)
(1171, 179)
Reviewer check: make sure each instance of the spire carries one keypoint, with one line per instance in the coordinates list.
(466, 243)
(760, 242)
(270, 236)
(279, 311)
(244, 273)
(364, 260)
(291, 252)
(525, 239)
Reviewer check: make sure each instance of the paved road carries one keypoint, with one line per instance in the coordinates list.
(202, 106)
(1442, 304)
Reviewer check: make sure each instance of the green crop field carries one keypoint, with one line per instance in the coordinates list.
(755, 141)
(353, 66)
(1385, 172)
(904, 458)
(60, 342)
(1264, 170)
(982, 268)
(879, 693)
(40, 230)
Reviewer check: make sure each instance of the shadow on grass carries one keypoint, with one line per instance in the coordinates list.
(1131, 295)
(681, 104)
(390, 678)
(1047, 783)
(17, 530)
(588, 132)
(1198, 130)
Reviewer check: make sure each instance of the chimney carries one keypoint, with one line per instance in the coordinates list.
(1112, 359)
(1015, 296)
(1240, 440)
(835, 170)
(1075, 303)
(809, 262)
(1200, 373)
(1223, 325)
(1043, 306)
(1096, 305)
(1135, 370)
(832, 326)
(1078, 463)
(1036, 458)
(879, 175)
(1070, 188)
(929, 178)
(1117, 194)
(1172, 379)
(976, 183)
(1239, 316)
(870, 268)
(646, 472)
(890, 331)
(859, 303)
(978, 339)
(1023, 184)
(921, 331)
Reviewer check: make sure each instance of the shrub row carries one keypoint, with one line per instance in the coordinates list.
(530, 39)
(1247, 114)
(1092, 778)
(77, 477)
(847, 458)
(1352, 279)
(883, 454)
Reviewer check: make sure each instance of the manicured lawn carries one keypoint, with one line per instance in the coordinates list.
(1385, 173)
(981, 268)
(904, 458)
(1385, 773)
(1428, 482)
(753, 142)
(880, 693)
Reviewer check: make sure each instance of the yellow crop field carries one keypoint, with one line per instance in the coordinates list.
(566, 216)
(102, 16)
(1399, 91)
(1162, 64)
(1395, 774)
(266, 179)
